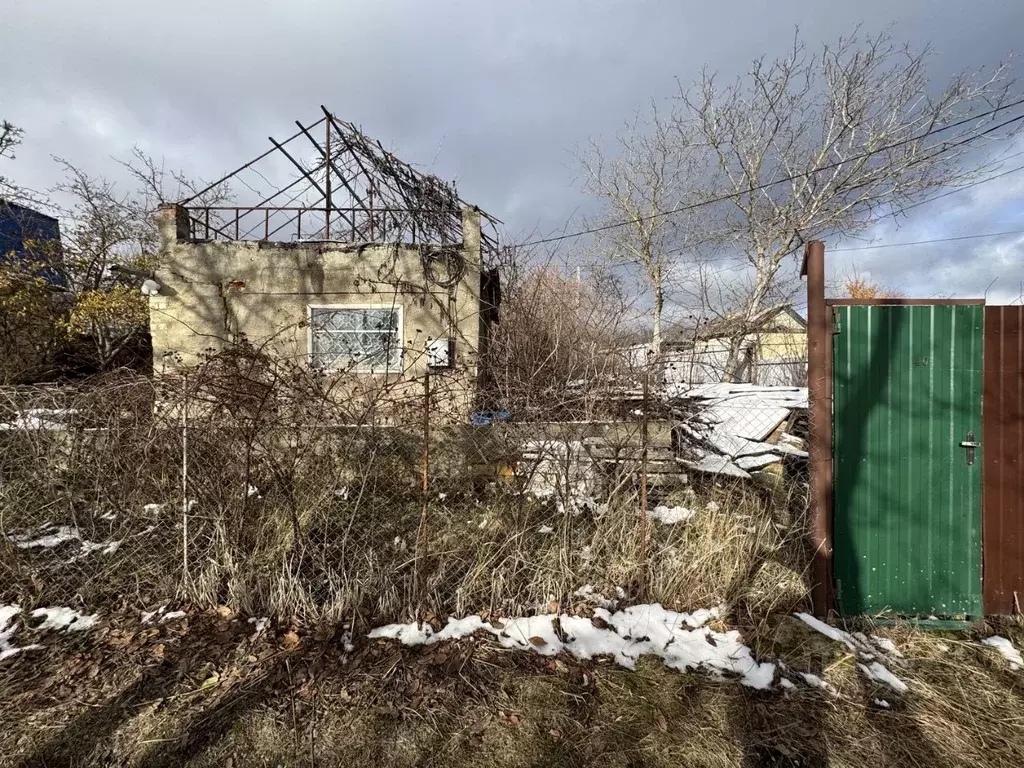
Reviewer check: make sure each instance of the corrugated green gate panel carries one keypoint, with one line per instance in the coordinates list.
(907, 505)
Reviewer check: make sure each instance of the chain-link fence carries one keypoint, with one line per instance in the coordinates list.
(280, 491)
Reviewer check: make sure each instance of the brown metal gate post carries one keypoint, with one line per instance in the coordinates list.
(819, 390)
(1002, 451)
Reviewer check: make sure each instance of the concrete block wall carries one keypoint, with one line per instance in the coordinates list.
(215, 293)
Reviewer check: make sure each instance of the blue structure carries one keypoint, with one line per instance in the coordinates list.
(30, 236)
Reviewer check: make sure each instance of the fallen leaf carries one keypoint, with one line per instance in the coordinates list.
(539, 641)
(290, 640)
(553, 606)
(212, 680)
(224, 612)
(661, 722)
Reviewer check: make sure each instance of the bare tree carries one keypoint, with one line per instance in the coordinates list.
(561, 329)
(644, 177)
(110, 242)
(848, 131)
(10, 137)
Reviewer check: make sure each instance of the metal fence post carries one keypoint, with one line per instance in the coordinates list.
(644, 407)
(421, 535)
(184, 491)
(819, 390)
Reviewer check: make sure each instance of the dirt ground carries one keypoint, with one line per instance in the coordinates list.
(209, 691)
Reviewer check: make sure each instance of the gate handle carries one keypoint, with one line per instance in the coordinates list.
(970, 445)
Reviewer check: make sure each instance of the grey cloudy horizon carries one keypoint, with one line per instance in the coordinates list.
(495, 95)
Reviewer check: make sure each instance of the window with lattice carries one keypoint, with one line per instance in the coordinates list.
(361, 339)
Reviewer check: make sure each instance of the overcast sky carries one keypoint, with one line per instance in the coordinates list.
(492, 94)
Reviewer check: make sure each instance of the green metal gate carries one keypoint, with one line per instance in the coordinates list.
(907, 384)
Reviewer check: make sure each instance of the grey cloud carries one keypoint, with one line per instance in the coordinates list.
(505, 89)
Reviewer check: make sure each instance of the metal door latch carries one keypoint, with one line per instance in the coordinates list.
(970, 445)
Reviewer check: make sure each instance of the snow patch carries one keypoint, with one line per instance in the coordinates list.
(545, 529)
(1005, 647)
(625, 636)
(862, 648)
(39, 418)
(64, 619)
(886, 645)
(879, 674)
(148, 616)
(881, 703)
(31, 540)
(7, 630)
(48, 536)
(816, 682)
(669, 515)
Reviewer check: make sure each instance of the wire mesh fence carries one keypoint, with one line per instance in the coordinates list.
(247, 483)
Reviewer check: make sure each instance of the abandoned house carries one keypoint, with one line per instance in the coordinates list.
(773, 349)
(357, 265)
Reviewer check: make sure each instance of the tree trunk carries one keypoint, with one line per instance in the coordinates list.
(658, 305)
(765, 276)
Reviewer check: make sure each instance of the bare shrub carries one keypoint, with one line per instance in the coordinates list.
(252, 483)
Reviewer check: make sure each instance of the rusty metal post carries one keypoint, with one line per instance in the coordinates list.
(327, 185)
(819, 390)
(419, 577)
(643, 477)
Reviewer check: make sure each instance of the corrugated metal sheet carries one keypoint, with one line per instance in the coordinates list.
(1003, 437)
(907, 505)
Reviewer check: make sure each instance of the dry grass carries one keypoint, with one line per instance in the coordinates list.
(472, 704)
(294, 511)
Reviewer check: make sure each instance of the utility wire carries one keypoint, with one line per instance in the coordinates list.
(966, 186)
(927, 242)
(793, 177)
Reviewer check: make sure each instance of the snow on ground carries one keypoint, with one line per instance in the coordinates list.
(816, 682)
(884, 644)
(57, 617)
(49, 536)
(680, 639)
(878, 673)
(866, 652)
(64, 619)
(39, 540)
(1005, 647)
(148, 616)
(670, 515)
(7, 630)
(39, 418)
(260, 624)
(161, 614)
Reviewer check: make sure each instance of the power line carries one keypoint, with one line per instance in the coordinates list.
(966, 186)
(927, 242)
(793, 177)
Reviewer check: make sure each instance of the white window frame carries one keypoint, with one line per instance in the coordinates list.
(354, 366)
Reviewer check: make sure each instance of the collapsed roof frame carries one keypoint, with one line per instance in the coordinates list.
(353, 191)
